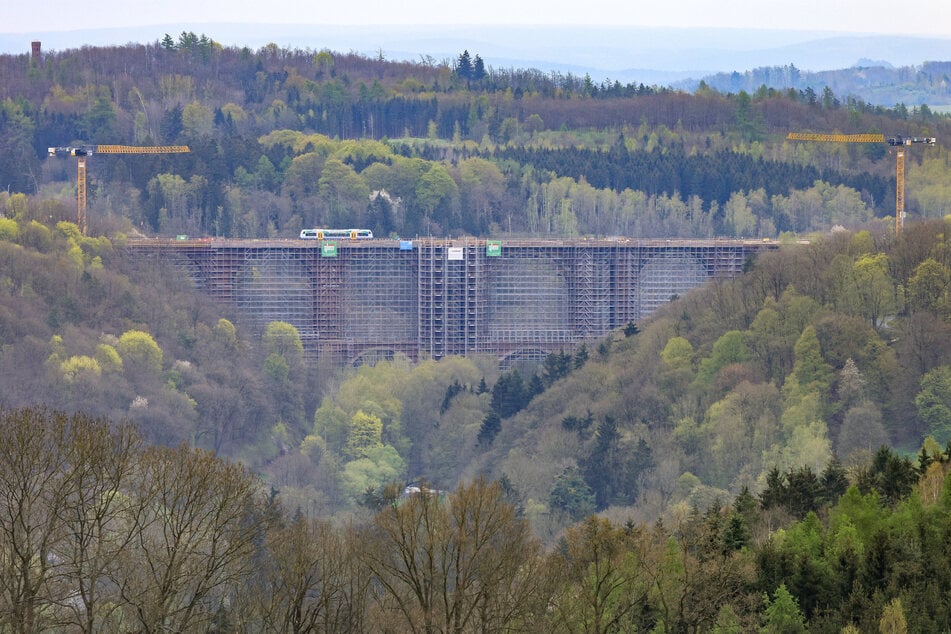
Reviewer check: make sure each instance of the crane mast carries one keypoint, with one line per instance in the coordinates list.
(897, 142)
(82, 151)
(899, 190)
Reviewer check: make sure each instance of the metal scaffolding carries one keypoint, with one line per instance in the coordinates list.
(355, 300)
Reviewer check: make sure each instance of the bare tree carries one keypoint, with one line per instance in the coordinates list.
(32, 466)
(456, 564)
(309, 579)
(101, 461)
(194, 529)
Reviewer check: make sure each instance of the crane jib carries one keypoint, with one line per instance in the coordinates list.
(132, 149)
(87, 150)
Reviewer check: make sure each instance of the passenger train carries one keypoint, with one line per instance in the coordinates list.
(335, 234)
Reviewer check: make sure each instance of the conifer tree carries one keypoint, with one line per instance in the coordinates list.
(464, 66)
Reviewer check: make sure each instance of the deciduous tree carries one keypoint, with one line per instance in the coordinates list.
(193, 523)
(601, 586)
(462, 564)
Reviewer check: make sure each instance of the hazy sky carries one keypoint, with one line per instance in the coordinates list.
(909, 17)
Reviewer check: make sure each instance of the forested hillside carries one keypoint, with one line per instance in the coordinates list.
(830, 348)
(284, 139)
(80, 330)
(767, 451)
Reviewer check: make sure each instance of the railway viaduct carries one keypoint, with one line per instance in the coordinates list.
(359, 300)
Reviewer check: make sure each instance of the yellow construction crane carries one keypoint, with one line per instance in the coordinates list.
(82, 151)
(897, 142)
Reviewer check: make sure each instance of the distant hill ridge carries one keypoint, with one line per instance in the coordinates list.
(653, 56)
(877, 84)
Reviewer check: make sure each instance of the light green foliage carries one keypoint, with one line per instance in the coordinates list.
(76, 367)
(893, 618)
(303, 174)
(859, 513)
(344, 193)
(604, 581)
(373, 389)
(57, 348)
(783, 615)
(861, 244)
(934, 402)
(808, 445)
(739, 217)
(226, 334)
(381, 466)
(677, 370)
(841, 205)
(324, 61)
(139, 348)
(177, 201)
(765, 341)
(265, 174)
(362, 151)
(366, 434)
(875, 296)
(9, 229)
(805, 538)
(331, 423)
(822, 205)
(668, 587)
(37, 236)
(14, 205)
(313, 447)
(929, 186)
(811, 374)
(237, 113)
(281, 434)
(197, 119)
(678, 353)
(929, 288)
(108, 358)
(75, 256)
(282, 339)
(70, 230)
(736, 432)
(482, 185)
(297, 141)
(436, 189)
(727, 621)
(728, 349)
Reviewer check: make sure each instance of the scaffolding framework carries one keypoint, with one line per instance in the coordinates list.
(355, 301)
